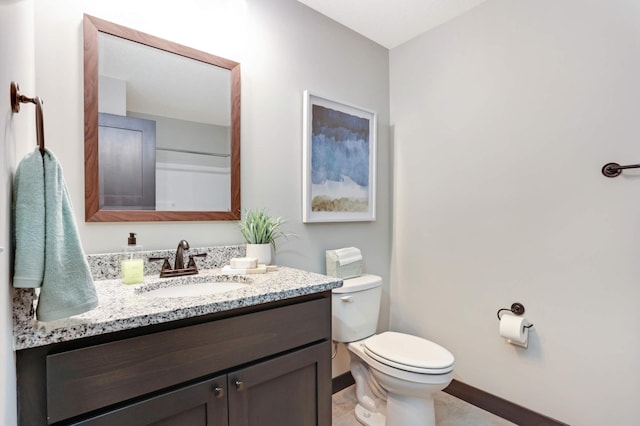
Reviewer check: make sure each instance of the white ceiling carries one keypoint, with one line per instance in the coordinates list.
(391, 22)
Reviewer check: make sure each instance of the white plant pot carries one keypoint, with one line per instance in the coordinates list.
(260, 251)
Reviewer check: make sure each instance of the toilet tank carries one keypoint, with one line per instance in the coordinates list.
(355, 308)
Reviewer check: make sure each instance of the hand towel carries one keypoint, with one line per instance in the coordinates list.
(28, 222)
(67, 285)
(348, 255)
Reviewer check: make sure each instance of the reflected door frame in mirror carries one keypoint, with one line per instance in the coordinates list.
(93, 213)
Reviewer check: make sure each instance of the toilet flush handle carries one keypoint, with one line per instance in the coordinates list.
(347, 299)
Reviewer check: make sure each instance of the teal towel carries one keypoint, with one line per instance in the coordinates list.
(28, 221)
(67, 285)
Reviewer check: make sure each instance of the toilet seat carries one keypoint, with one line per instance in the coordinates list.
(409, 353)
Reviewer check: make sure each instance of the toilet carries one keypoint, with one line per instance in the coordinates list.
(396, 374)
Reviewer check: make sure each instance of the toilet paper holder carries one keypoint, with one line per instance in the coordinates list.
(516, 309)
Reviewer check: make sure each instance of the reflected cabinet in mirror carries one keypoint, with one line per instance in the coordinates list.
(161, 129)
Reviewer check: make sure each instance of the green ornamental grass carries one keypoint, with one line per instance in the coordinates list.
(259, 227)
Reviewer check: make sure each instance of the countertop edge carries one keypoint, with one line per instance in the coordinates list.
(288, 283)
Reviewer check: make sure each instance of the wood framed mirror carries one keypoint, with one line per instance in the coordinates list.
(161, 128)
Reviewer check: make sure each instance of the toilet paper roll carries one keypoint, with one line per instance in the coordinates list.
(513, 329)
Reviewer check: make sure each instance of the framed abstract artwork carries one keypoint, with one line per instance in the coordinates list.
(339, 161)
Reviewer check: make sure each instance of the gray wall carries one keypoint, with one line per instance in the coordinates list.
(502, 120)
(17, 138)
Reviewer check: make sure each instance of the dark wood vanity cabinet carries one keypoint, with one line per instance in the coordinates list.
(267, 365)
(282, 391)
(198, 404)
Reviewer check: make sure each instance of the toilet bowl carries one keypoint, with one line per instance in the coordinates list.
(396, 374)
(409, 370)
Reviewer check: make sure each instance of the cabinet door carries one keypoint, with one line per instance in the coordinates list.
(203, 403)
(127, 158)
(290, 390)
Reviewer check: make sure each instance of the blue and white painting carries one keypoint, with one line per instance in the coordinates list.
(340, 161)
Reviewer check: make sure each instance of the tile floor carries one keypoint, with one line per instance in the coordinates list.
(450, 411)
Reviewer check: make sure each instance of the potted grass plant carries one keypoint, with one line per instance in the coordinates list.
(261, 230)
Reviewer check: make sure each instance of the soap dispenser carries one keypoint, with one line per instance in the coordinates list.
(132, 264)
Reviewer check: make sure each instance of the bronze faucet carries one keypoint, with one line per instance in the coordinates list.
(179, 268)
(182, 245)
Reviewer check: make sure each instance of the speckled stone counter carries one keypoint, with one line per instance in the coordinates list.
(124, 306)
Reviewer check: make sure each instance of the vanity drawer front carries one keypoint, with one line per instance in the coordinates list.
(90, 378)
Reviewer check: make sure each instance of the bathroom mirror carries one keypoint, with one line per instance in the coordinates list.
(162, 129)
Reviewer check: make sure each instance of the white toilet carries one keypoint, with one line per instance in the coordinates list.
(401, 369)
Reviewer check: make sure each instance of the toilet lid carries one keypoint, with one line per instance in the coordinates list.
(410, 353)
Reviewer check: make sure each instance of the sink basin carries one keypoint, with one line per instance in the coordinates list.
(196, 289)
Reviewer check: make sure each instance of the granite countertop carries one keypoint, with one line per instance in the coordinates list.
(123, 306)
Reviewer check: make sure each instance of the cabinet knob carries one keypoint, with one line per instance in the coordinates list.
(239, 385)
(218, 391)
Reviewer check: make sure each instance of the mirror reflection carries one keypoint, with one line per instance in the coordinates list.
(166, 129)
(182, 125)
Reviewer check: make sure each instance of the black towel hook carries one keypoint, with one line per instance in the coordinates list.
(612, 170)
(17, 98)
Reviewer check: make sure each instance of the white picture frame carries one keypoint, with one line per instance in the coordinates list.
(339, 161)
